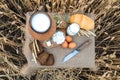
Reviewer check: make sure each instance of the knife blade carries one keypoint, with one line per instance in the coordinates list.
(77, 50)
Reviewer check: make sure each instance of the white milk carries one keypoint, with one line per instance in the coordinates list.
(40, 22)
(73, 29)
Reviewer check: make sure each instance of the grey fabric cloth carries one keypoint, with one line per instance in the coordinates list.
(85, 58)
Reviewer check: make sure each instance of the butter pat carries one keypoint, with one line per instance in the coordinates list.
(48, 43)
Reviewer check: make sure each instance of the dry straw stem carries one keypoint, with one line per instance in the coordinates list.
(86, 33)
(37, 46)
(107, 29)
(33, 51)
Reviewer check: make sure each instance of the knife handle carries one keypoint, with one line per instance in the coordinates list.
(85, 44)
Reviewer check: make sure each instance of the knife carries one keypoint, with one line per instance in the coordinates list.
(77, 50)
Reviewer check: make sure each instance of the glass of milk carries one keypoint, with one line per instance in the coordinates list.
(73, 29)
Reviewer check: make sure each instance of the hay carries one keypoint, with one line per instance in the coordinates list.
(107, 29)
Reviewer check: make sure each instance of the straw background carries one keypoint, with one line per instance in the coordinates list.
(107, 29)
